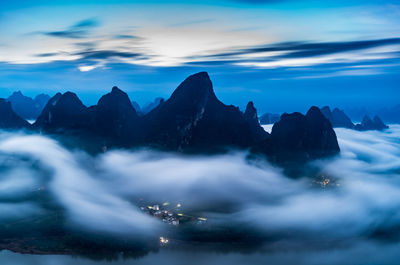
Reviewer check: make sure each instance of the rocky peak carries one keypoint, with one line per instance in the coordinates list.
(371, 124)
(195, 90)
(250, 115)
(63, 111)
(8, 118)
(116, 99)
(301, 137)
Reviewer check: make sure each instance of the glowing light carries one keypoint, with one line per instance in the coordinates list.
(163, 240)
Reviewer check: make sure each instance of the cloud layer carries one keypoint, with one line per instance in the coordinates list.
(100, 193)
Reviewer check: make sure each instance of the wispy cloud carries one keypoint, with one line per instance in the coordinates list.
(79, 30)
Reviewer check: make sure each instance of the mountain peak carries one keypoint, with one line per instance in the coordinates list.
(8, 118)
(314, 112)
(115, 89)
(250, 115)
(194, 89)
(371, 124)
(116, 98)
(17, 93)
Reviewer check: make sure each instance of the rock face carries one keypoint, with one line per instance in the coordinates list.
(63, 111)
(371, 124)
(250, 115)
(26, 107)
(114, 117)
(337, 118)
(300, 137)
(9, 119)
(193, 118)
(269, 118)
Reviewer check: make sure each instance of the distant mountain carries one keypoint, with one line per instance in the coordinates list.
(300, 137)
(337, 118)
(371, 124)
(27, 107)
(269, 118)
(193, 119)
(136, 106)
(151, 105)
(9, 119)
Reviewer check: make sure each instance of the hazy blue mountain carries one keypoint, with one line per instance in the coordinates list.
(337, 118)
(151, 105)
(137, 107)
(269, 118)
(371, 124)
(26, 107)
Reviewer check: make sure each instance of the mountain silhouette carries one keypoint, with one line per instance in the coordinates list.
(26, 107)
(371, 124)
(114, 117)
(250, 115)
(9, 119)
(300, 137)
(269, 118)
(63, 111)
(192, 120)
(337, 118)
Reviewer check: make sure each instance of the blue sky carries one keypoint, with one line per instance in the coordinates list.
(284, 55)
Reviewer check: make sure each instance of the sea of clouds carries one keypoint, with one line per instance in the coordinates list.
(99, 193)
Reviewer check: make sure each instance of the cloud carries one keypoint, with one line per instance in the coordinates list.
(87, 68)
(88, 202)
(309, 49)
(101, 193)
(106, 54)
(77, 31)
(126, 36)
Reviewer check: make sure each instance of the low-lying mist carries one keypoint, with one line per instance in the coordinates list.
(355, 195)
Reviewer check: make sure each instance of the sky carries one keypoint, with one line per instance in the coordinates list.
(284, 55)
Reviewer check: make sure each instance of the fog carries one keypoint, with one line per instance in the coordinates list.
(102, 193)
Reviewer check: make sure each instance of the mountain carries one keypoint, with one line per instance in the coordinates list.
(41, 101)
(136, 106)
(63, 111)
(9, 119)
(114, 117)
(337, 118)
(300, 137)
(371, 124)
(193, 118)
(151, 105)
(269, 118)
(27, 107)
(250, 115)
